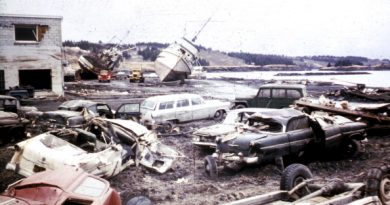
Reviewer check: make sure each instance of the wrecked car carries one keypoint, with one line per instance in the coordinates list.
(205, 136)
(70, 114)
(67, 185)
(298, 187)
(181, 108)
(272, 134)
(273, 96)
(12, 127)
(104, 148)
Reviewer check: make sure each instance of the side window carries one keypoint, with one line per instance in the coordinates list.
(166, 105)
(297, 124)
(196, 101)
(264, 93)
(102, 107)
(129, 108)
(183, 103)
(278, 93)
(293, 94)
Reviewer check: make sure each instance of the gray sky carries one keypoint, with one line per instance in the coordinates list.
(285, 27)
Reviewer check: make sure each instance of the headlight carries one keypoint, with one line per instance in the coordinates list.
(196, 138)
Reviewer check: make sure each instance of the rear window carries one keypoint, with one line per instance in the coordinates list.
(293, 94)
(91, 187)
(148, 104)
(183, 103)
(166, 105)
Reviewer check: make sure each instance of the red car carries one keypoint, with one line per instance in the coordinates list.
(66, 186)
(104, 76)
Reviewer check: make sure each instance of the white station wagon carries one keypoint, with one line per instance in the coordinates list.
(181, 108)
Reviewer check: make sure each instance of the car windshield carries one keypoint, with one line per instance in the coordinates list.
(263, 124)
(147, 104)
(237, 117)
(91, 187)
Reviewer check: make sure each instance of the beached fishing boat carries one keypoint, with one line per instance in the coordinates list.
(176, 61)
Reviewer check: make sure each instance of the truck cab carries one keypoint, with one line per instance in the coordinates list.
(273, 96)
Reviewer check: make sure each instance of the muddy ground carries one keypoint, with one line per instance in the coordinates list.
(186, 183)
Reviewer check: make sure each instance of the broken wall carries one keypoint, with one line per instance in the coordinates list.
(31, 43)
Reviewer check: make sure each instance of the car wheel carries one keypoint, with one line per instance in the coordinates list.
(140, 200)
(239, 106)
(219, 115)
(210, 166)
(166, 127)
(293, 175)
(351, 148)
(378, 183)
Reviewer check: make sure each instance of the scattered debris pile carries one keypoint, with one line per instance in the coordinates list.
(360, 91)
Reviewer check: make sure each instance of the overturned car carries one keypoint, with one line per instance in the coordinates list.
(104, 148)
(271, 134)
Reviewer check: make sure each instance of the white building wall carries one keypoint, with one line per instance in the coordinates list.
(46, 54)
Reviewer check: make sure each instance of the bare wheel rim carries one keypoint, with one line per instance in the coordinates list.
(305, 190)
(384, 189)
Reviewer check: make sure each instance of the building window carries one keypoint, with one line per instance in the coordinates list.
(32, 33)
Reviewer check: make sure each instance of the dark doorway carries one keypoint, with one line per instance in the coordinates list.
(2, 80)
(39, 79)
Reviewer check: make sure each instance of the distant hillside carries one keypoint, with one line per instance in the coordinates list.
(144, 54)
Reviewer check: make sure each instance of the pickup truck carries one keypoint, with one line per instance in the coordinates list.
(271, 134)
(273, 96)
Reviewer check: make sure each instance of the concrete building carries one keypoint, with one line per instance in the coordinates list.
(30, 52)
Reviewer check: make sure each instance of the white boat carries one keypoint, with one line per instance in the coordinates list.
(176, 61)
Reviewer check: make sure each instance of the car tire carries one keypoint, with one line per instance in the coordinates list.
(293, 175)
(378, 183)
(210, 167)
(239, 106)
(219, 115)
(140, 200)
(166, 127)
(351, 148)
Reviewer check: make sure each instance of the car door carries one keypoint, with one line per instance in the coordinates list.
(183, 110)
(128, 111)
(300, 134)
(262, 99)
(199, 109)
(278, 98)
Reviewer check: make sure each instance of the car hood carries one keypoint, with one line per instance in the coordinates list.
(215, 130)
(137, 128)
(8, 115)
(62, 113)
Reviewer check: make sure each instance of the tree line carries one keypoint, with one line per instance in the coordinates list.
(261, 59)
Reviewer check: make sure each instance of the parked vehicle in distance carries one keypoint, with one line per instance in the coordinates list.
(136, 76)
(121, 74)
(271, 134)
(273, 96)
(104, 76)
(205, 136)
(64, 186)
(298, 187)
(178, 108)
(104, 148)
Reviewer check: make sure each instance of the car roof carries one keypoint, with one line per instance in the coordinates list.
(77, 103)
(172, 97)
(273, 85)
(69, 175)
(280, 115)
(7, 97)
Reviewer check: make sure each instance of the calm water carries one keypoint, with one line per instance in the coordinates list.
(375, 78)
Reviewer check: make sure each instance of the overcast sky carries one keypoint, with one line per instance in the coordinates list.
(286, 27)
